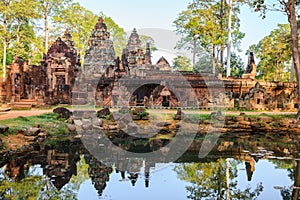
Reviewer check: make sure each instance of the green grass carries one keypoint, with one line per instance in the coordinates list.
(274, 117)
(49, 123)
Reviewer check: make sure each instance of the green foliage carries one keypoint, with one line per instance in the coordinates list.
(203, 63)
(274, 52)
(143, 114)
(17, 30)
(148, 39)
(237, 65)
(27, 188)
(182, 63)
(34, 187)
(208, 181)
(204, 24)
(22, 31)
(79, 22)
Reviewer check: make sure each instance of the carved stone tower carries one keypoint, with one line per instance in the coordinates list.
(100, 57)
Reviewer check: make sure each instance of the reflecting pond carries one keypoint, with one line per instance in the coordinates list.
(244, 167)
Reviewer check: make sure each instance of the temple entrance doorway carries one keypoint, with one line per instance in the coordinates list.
(143, 96)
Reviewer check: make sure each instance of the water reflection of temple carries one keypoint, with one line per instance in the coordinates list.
(61, 166)
(98, 172)
(59, 162)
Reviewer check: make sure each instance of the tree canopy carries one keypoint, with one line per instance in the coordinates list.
(274, 53)
(203, 25)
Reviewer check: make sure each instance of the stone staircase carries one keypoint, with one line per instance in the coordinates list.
(25, 104)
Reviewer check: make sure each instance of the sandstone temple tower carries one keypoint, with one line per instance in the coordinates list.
(100, 57)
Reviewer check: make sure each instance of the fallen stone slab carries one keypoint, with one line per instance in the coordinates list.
(63, 112)
(32, 132)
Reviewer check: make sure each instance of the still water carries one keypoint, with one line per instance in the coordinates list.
(237, 168)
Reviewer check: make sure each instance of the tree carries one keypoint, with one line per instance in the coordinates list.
(48, 9)
(203, 63)
(14, 15)
(274, 53)
(203, 23)
(5, 12)
(79, 22)
(182, 63)
(294, 174)
(148, 39)
(236, 65)
(28, 44)
(229, 39)
(210, 180)
(27, 188)
(289, 8)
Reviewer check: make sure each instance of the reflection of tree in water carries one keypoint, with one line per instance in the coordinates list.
(98, 172)
(209, 181)
(293, 169)
(27, 188)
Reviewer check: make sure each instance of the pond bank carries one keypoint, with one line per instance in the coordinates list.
(21, 132)
(25, 131)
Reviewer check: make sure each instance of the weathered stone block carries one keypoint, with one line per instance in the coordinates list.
(78, 122)
(71, 127)
(103, 113)
(32, 132)
(239, 118)
(265, 119)
(132, 127)
(136, 117)
(63, 112)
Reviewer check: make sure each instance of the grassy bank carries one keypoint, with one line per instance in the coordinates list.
(50, 123)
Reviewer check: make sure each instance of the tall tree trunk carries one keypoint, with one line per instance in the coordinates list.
(46, 27)
(194, 51)
(4, 45)
(46, 34)
(229, 39)
(227, 179)
(213, 60)
(295, 193)
(291, 12)
(222, 32)
(292, 73)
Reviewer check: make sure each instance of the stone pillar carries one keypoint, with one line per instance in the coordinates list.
(67, 81)
(54, 81)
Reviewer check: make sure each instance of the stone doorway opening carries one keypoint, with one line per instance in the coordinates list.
(153, 95)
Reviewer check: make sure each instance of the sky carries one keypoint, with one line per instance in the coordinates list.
(141, 14)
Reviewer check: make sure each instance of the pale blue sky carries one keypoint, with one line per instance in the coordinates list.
(140, 14)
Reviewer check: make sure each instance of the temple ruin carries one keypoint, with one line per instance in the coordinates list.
(49, 83)
(132, 80)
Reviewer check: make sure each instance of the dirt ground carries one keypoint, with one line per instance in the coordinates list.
(22, 113)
